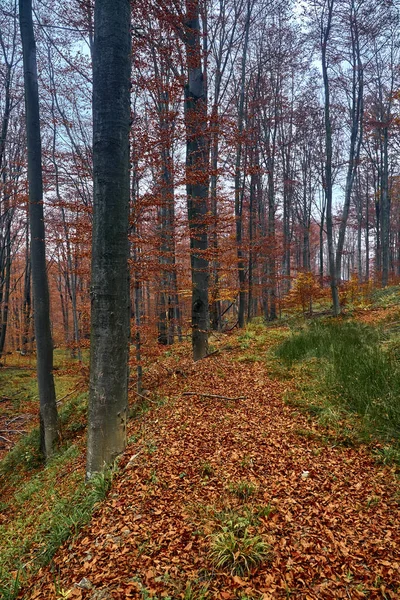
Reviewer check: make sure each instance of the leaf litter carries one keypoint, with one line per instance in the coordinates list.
(333, 533)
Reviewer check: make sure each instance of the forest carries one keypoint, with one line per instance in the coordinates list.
(199, 299)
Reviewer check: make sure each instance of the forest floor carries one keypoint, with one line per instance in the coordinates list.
(250, 475)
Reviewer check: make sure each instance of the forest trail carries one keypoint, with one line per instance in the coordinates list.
(330, 514)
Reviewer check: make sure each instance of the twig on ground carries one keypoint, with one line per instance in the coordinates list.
(13, 431)
(69, 393)
(17, 418)
(213, 396)
(212, 354)
(146, 398)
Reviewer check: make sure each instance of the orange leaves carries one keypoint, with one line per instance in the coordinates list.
(329, 535)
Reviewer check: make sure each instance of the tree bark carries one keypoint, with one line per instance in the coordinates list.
(356, 134)
(328, 161)
(197, 181)
(385, 210)
(239, 181)
(44, 344)
(108, 395)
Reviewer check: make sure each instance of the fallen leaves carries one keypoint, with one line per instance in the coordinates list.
(151, 536)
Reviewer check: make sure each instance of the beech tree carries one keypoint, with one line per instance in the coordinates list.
(44, 344)
(197, 179)
(231, 106)
(108, 393)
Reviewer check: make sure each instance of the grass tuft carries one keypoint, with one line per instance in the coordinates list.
(356, 370)
(243, 489)
(237, 551)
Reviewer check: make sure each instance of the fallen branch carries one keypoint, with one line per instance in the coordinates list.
(17, 418)
(212, 353)
(146, 398)
(13, 431)
(69, 393)
(213, 396)
(4, 439)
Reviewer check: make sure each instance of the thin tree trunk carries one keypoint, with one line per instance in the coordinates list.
(239, 181)
(385, 211)
(356, 135)
(215, 304)
(27, 303)
(6, 279)
(44, 345)
(328, 163)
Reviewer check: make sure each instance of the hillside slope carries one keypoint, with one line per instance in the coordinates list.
(197, 466)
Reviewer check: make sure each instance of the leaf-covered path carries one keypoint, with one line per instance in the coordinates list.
(332, 519)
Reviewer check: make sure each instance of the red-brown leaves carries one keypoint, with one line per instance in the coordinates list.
(334, 532)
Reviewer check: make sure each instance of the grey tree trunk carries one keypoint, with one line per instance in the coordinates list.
(5, 272)
(70, 274)
(215, 312)
(134, 235)
(44, 344)
(108, 395)
(356, 135)
(197, 180)
(239, 183)
(385, 211)
(27, 304)
(328, 161)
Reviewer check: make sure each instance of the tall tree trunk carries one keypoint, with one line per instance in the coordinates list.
(271, 261)
(137, 296)
(385, 210)
(108, 395)
(356, 134)
(27, 303)
(359, 207)
(44, 343)
(167, 294)
(215, 303)
(5, 276)
(251, 262)
(197, 180)
(328, 162)
(70, 272)
(239, 181)
(367, 228)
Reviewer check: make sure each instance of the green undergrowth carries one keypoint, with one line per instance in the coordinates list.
(18, 380)
(257, 339)
(344, 368)
(234, 534)
(389, 296)
(42, 506)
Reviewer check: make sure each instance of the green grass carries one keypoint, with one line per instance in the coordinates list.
(243, 489)
(355, 371)
(236, 547)
(44, 514)
(389, 296)
(42, 505)
(238, 553)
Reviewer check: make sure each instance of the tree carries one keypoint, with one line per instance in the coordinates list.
(325, 31)
(108, 394)
(197, 179)
(44, 344)
(356, 125)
